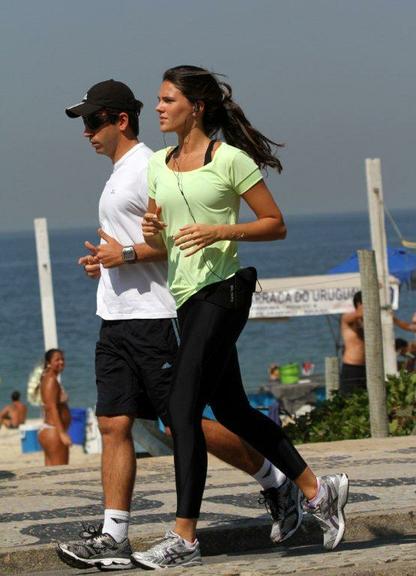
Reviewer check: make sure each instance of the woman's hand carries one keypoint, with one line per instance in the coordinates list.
(152, 224)
(65, 439)
(197, 236)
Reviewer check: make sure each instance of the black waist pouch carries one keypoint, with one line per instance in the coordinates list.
(232, 293)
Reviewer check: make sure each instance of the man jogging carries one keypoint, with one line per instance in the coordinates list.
(139, 338)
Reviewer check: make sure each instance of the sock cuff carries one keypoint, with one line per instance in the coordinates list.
(116, 523)
(269, 476)
(320, 493)
(187, 543)
(263, 471)
(117, 513)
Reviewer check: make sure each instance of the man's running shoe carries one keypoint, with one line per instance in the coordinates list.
(330, 510)
(284, 504)
(170, 552)
(97, 549)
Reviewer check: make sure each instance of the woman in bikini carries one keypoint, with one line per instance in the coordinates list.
(53, 435)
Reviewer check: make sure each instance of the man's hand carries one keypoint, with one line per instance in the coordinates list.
(90, 263)
(110, 254)
(91, 266)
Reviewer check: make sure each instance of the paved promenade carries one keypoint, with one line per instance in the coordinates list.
(39, 506)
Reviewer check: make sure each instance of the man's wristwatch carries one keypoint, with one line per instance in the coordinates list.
(129, 254)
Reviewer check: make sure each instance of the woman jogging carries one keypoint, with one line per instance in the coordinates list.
(195, 190)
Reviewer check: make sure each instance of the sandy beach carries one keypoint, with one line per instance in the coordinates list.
(11, 455)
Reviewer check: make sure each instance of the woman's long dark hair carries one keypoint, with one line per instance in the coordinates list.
(222, 113)
(48, 355)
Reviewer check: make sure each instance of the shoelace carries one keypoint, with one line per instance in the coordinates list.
(89, 531)
(274, 505)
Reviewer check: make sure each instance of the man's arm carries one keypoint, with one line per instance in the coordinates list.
(410, 326)
(110, 254)
(352, 317)
(5, 411)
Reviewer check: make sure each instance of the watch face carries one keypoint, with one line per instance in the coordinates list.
(129, 254)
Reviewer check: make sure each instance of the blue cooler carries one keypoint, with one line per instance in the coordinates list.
(29, 438)
(78, 425)
(262, 401)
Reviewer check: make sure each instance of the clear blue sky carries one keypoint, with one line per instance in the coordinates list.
(333, 79)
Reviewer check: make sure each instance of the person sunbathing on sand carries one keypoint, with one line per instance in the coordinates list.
(15, 413)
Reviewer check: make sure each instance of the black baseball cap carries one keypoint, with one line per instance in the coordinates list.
(108, 94)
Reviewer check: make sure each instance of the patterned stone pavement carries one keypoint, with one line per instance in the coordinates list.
(39, 506)
(354, 559)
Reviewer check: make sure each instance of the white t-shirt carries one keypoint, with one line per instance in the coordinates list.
(133, 290)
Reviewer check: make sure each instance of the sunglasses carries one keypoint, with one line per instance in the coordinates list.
(97, 119)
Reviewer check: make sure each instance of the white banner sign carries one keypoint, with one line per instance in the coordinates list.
(309, 296)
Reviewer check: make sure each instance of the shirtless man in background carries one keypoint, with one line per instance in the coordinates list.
(353, 375)
(13, 414)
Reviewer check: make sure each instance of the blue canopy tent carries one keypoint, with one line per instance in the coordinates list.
(402, 265)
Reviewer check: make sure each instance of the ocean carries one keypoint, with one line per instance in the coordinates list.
(314, 244)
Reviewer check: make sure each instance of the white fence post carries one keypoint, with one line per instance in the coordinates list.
(379, 245)
(50, 337)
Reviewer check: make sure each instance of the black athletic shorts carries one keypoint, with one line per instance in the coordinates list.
(133, 366)
(353, 378)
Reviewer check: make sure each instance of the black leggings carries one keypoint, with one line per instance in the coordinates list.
(207, 372)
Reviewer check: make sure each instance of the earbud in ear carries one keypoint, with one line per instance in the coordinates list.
(196, 107)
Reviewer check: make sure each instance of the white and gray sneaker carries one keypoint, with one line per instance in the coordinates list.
(170, 552)
(97, 550)
(330, 510)
(284, 505)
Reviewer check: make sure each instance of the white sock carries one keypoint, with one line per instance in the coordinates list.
(187, 543)
(320, 494)
(269, 476)
(116, 523)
